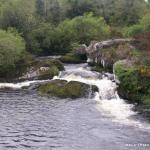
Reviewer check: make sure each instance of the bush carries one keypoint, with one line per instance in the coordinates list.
(142, 41)
(47, 39)
(12, 50)
(133, 30)
(146, 61)
(128, 77)
(40, 40)
(85, 28)
(19, 14)
(143, 26)
(134, 84)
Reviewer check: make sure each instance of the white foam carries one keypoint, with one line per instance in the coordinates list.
(108, 101)
(18, 85)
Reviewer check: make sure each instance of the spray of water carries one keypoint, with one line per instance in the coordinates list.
(108, 101)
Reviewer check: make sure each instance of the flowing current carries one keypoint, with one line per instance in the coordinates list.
(105, 122)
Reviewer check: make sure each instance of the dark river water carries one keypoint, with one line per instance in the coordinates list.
(31, 122)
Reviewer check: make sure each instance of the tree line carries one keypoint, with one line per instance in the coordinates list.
(48, 27)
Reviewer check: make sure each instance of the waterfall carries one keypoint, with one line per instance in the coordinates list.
(107, 100)
(103, 63)
(89, 60)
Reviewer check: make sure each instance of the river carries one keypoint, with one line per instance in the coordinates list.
(105, 122)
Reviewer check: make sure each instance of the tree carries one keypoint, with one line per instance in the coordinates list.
(41, 40)
(78, 7)
(48, 39)
(50, 10)
(140, 28)
(105, 8)
(19, 14)
(12, 48)
(128, 12)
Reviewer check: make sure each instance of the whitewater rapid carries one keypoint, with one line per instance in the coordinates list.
(20, 85)
(107, 100)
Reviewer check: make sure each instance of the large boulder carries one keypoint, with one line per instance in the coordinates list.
(106, 53)
(64, 89)
(43, 69)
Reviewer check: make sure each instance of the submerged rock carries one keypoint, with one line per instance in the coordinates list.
(64, 89)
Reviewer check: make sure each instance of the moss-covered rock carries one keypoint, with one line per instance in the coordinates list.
(73, 58)
(50, 63)
(48, 72)
(134, 85)
(104, 58)
(97, 68)
(64, 89)
(44, 69)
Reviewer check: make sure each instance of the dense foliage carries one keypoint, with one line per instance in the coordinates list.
(141, 27)
(51, 27)
(12, 48)
(50, 39)
(135, 82)
(57, 27)
(54, 26)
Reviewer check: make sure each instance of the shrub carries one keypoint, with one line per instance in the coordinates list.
(47, 39)
(40, 40)
(133, 30)
(134, 84)
(12, 50)
(142, 41)
(128, 77)
(141, 27)
(19, 14)
(85, 28)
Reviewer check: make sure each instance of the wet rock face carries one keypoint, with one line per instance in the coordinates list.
(64, 89)
(81, 50)
(105, 53)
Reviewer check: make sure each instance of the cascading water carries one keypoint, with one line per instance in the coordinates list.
(108, 101)
(19, 85)
(29, 121)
